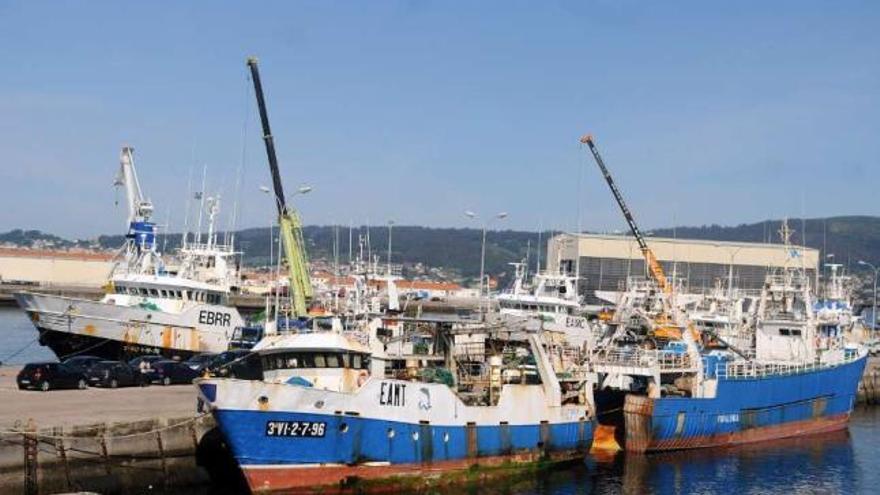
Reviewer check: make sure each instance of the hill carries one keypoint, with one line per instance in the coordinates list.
(849, 238)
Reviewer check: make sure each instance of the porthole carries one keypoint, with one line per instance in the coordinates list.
(343, 427)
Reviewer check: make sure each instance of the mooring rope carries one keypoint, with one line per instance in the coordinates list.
(16, 353)
(39, 435)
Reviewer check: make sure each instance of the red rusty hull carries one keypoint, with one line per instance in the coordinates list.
(638, 411)
(389, 477)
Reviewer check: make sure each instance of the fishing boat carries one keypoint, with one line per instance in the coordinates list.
(326, 414)
(552, 299)
(662, 384)
(800, 377)
(148, 308)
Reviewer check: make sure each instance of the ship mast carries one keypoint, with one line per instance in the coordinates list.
(288, 218)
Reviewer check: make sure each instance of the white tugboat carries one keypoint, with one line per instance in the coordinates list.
(147, 309)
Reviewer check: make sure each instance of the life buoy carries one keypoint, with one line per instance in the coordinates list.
(362, 378)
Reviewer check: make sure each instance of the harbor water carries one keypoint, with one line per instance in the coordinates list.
(845, 462)
(18, 339)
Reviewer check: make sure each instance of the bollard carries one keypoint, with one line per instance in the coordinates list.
(61, 452)
(161, 446)
(31, 484)
(102, 440)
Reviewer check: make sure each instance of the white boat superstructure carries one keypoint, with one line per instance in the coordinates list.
(553, 299)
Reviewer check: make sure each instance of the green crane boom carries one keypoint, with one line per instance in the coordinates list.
(288, 218)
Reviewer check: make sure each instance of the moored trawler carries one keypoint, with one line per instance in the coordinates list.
(552, 299)
(327, 413)
(665, 384)
(799, 379)
(147, 309)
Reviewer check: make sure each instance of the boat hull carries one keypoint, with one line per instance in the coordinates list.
(394, 477)
(745, 410)
(73, 326)
(64, 344)
(375, 434)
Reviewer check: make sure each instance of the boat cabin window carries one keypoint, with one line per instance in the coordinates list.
(307, 360)
(792, 332)
(144, 292)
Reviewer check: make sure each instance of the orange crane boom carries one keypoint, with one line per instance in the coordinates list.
(654, 267)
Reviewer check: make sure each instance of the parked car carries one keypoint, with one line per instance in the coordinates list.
(114, 374)
(47, 376)
(169, 372)
(82, 363)
(200, 361)
(144, 363)
(241, 363)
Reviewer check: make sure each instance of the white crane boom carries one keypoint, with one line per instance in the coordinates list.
(139, 209)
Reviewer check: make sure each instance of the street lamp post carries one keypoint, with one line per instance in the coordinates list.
(499, 216)
(390, 225)
(730, 273)
(874, 307)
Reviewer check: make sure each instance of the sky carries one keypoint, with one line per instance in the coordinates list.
(415, 111)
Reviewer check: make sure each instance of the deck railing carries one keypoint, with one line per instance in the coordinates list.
(642, 358)
(739, 370)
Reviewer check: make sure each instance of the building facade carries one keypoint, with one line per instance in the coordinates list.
(48, 268)
(605, 262)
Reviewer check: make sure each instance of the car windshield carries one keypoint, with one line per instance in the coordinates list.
(34, 366)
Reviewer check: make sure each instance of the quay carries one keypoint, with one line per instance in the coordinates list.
(122, 440)
(869, 389)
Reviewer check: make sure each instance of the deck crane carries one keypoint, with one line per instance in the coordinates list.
(664, 323)
(288, 219)
(139, 251)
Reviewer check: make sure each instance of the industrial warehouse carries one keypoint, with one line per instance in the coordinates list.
(605, 262)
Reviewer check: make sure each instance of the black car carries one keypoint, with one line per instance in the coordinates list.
(47, 376)
(171, 372)
(241, 364)
(114, 374)
(200, 361)
(82, 363)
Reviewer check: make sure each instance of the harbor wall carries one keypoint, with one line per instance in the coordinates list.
(110, 457)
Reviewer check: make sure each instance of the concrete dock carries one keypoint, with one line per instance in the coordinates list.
(77, 407)
(101, 440)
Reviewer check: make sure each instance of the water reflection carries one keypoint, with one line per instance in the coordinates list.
(819, 464)
(822, 464)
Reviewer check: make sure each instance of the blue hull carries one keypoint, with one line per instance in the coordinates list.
(746, 410)
(355, 440)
